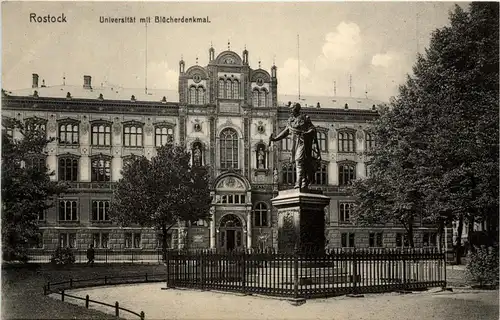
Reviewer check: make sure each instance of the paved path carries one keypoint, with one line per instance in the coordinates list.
(192, 304)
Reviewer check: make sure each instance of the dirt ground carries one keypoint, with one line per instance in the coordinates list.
(191, 304)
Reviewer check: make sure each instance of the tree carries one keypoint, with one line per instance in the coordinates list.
(437, 146)
(26, 188)
(162, 192)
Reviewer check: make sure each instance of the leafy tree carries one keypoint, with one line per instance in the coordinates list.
(437, 146)
(162, 191)
(26, 188)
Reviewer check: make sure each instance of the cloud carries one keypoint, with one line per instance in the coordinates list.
(382, 60)
(342, 48)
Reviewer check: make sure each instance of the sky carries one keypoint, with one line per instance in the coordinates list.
(359, 49)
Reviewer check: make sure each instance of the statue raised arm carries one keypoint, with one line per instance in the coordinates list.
(304, 139)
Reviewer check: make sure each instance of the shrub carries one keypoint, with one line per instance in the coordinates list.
(483, 266)
(62, 256)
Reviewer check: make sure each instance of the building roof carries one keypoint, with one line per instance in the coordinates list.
(156, 95)
(108, 93)
(329, 102)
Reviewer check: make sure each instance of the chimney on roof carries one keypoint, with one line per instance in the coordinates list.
(43, 83)
(35, 81)
(87, 82)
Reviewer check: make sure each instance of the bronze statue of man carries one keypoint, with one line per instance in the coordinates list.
(304, 139)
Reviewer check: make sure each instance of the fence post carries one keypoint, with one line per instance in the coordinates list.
(146, 277)
(48, 286)
(296, 273)
(105, 280)
(355, 271)
(87, 301)
(403, 256)
(62, 295)
(71, 282)
(106, 255)
(244, 270)
(44, 290)
(142, 315)
(117, 309)
(443, 259)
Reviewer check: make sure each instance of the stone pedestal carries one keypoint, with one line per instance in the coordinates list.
(301, 220)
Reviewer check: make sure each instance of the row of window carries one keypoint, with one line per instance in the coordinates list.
(375, 239)
(68, 210)
(100, 240)
(133, 133)
(346, 173)
(196, 95)
(346, 142)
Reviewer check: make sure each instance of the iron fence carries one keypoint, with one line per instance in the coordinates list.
(308, 275)
(103, 255)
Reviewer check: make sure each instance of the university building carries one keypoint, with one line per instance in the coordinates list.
(223, 113)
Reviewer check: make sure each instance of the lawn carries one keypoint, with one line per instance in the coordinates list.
(22, 289)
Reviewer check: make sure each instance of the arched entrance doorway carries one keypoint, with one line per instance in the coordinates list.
(230, 233)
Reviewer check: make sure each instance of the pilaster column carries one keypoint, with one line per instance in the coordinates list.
(249, 227)
(212, 227)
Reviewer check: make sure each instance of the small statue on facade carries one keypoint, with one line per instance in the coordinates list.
(305, 147)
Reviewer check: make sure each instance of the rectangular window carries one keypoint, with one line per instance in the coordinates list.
(101, 170)
(164, 136)
(101, 134)
(132, 136)
(345, 211)
(402, 240)
(67, 240)
(68, 134)
(159, 240)
(347, 240)
(100, 240)
(68, 169)
(100, 210)
(132, 240)
(42, 214)
(376, 239)
(68, 210)
(429, 239)
(230, 199)
(347, 173)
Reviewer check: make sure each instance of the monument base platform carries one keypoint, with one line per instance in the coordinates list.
(301, 220)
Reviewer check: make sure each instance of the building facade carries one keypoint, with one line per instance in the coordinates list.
(223, 113)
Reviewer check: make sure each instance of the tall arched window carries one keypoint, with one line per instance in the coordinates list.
(236, 89)
(68, 168)
(68, 132)
(229, 149)
(322, 141)
(200, 99)
(255, 98)
(221, 88)
(369, 142)
(346, 142)
(101, 134)
(228, 89)
(263, 98)
(164, 135)
(321, 175)
(197, 154)
(289, 173)
(192, 95)
(101, 169)
(260, 215)
(347, 173)
(132, 134)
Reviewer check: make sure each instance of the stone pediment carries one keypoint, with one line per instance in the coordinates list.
(231, 184)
